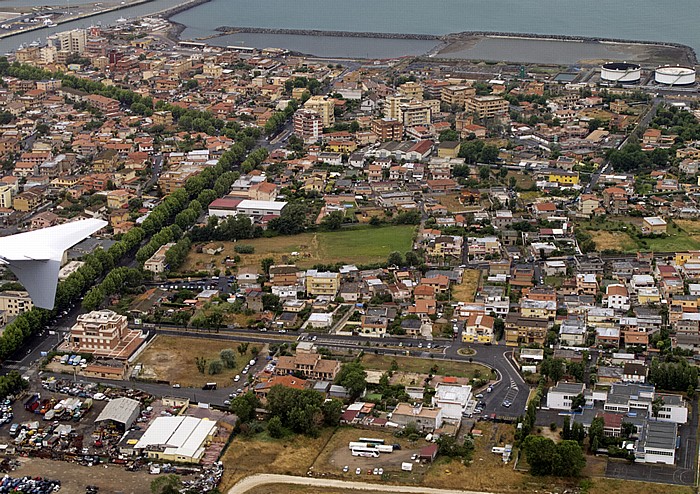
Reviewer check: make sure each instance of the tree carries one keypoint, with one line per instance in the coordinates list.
(215, 367)
(489, 154)
(275, 428)
(449, 135)
(228, 358)
(541, 454)
(242, 347)
(201, 364)
(578, 402)
(395, 259)
(596, 434)
(352, 377)
(484, 172)
(271, 302)
(333, 221)
(569, 460)
(412, 259)
(332, 410)
(244, 406)
(266, 264)
(167, 484)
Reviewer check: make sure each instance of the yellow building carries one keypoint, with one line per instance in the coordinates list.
(456, 95)
(346, 147)
(448, 149)
(683, 257)
(411, 90)
(648, 295)
(478, 329)
(322, 283)
(27, 201)
(486, 106)
(563, 177)
(324, 107)
(653, 225)
(538, 309)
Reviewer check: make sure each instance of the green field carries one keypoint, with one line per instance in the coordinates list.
(362, 245)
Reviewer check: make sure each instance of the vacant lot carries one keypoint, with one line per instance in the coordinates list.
(353, 246)
(173, 358)
(424, 366)
(74, 478)
(605, 240)
(451, 202)
(261, 454)
(465, 291)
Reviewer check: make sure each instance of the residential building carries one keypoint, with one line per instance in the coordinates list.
(104, 333)
(560, 397)
(452, 399)
(157, 262)
(324, 107)
(486, 106)
(14, 303)
(478, 329)
(308, 125)
(322, 283)
(309, 365)
(653, 225)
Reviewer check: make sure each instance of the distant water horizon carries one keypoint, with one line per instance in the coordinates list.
(645, 20)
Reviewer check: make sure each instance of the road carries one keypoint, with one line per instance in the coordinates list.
(262, 479)
(511, 385)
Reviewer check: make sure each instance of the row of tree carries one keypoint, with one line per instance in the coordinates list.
(177, 254)
(673, 376)
(117, 281)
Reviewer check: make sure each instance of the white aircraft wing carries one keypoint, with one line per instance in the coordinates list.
(35, 257)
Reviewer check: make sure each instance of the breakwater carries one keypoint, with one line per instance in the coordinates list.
(317, 32)
(687, 51)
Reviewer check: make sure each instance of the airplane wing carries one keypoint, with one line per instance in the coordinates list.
(35, 257)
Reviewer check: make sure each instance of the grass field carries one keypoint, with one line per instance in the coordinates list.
(288, 456)
(465, 291)
(691, 227)
(606, 486)
(673, 243)
(621, 241)
(353, 246)
(173, 358)
(423, 366)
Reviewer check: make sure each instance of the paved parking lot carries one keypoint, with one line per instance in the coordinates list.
(621, 469)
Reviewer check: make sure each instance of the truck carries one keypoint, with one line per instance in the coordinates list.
(31, 401)
(406, 466)
(209, 386)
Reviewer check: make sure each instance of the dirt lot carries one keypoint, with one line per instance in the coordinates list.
(451, 202)
(173, 358)
(612, 240)
(261, 454)
(336, 455)
(74, 478)
(465, 291)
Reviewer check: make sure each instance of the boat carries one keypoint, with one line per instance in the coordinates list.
(121, 20)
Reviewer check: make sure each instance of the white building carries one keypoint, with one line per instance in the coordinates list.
(452, 399)
(181, 439)
(254, 209)
(561, 396)
(658, 444)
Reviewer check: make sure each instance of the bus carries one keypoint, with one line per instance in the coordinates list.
(365, 452)
(370, 440)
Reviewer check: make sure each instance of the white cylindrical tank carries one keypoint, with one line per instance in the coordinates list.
(622, 72)
(675, 75)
